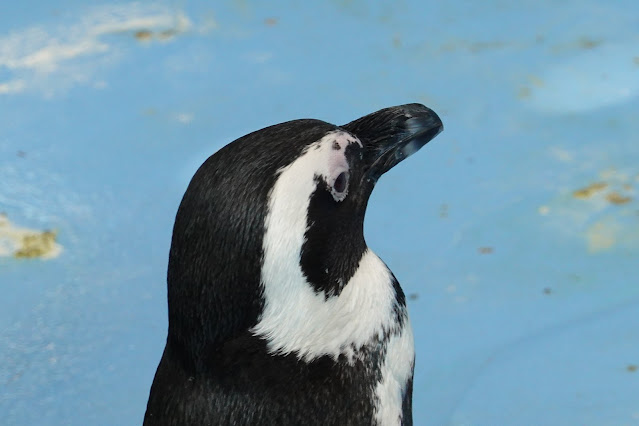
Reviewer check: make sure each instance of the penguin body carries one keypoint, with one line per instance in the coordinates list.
(279, 313)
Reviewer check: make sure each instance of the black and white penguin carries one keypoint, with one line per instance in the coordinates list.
(279, 313)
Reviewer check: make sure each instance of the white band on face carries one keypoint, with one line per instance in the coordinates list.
(296, 318)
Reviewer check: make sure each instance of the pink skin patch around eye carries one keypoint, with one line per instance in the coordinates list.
(338, 169)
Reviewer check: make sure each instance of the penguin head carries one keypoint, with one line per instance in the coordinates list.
(319, 200)
(285, 203)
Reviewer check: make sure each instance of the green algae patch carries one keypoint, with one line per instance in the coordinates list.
(25, 243)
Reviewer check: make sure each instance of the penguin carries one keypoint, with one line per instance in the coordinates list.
(279, 313)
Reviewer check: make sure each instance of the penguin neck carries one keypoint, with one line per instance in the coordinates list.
(324, 292)
(310, 238)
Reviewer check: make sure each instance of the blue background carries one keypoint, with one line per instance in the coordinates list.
(524, 298)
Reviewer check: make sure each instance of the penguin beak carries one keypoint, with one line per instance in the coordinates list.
(394, 134)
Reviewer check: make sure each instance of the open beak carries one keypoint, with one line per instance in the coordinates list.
(392, 134)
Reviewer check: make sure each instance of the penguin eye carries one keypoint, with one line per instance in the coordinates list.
(340, 183)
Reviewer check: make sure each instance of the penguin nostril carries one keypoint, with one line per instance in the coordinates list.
(340, 183)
